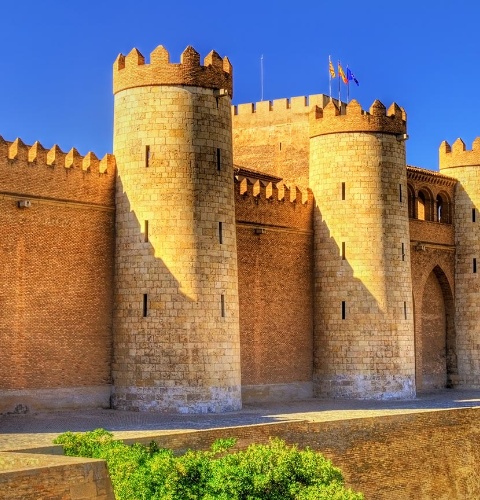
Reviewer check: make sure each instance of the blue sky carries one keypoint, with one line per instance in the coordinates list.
(57, 57)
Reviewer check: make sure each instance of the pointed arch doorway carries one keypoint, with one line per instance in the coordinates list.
(436, 360)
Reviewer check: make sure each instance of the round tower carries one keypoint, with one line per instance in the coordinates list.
(364, 336)
(176, 326)
(464, 165)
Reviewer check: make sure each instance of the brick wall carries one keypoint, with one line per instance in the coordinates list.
(274, 242)
(427, 455)
(56, 262)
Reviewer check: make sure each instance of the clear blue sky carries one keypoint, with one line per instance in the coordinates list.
(57, 57)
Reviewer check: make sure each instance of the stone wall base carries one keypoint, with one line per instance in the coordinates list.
(28, 400)
(365, 387)
(178, 399)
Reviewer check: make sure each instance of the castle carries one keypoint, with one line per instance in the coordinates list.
(221, 254)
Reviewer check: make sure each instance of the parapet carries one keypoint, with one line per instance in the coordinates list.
(259, 201)
(271, 191)
(457, 155)
(131, 70)
(300, 104)
(18, 150)
(332, 119)
(36, 171)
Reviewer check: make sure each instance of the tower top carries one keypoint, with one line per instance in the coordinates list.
(330, 119)
(131, 70)
(457, 155)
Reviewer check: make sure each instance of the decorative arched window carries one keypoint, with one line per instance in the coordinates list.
(411, 202)
(421, 209)
(444, 209)
(425, 205)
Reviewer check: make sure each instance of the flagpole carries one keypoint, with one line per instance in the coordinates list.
(261, 75)
(339, 96)
(329, 78)
(348, 87)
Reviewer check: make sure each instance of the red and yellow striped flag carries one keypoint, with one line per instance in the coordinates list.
(331, 69)
(341, 74)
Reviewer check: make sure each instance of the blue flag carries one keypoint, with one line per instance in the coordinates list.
(351, 76)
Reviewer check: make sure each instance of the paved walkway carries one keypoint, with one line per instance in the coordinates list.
(19, 432)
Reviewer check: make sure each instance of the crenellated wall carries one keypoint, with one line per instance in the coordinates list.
(275, 250)
(56, 259)
(272, 136)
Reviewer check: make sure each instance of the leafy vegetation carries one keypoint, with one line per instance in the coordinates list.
(274, 471)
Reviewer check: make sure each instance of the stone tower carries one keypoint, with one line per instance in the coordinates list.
(364, 335)
(176, 325)
(464, 166)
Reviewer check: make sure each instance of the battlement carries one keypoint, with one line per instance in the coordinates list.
(300, 104)
(34, 170)
(332, 119)
(271, 191)
(132, 71)
(272, 204)
(54, 157)
(457, 155)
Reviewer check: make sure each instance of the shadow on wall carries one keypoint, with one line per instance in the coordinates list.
(174, 344)
(364, 342)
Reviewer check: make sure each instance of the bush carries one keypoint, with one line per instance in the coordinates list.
(274, 471)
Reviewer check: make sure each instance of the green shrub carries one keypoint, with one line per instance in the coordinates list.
(274, 471)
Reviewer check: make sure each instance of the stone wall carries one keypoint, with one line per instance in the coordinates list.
(25, 476)
(176, 330)
(364, 333)
(272, 136)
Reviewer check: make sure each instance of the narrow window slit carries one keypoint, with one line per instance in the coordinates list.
(400, 186)
(405, 310)
(343, 250)
(147, 156)
(403, 251)
(145, 230)
(222, 305)
(474, 214)
(145, 305)
(219, 160)
(220, 232)
(344, 310)
(343, 191)
(474, 265)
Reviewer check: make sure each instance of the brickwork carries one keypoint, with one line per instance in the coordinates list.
(463, 165)
(364, 336)
(273, 136)
(428, 455)
(56, 257)
(176, 307)
(275, 267)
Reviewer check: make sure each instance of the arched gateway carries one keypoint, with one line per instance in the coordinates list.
(435, 339)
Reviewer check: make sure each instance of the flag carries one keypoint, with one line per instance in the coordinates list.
(331, 69)
(341, 74)
(351, 76)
